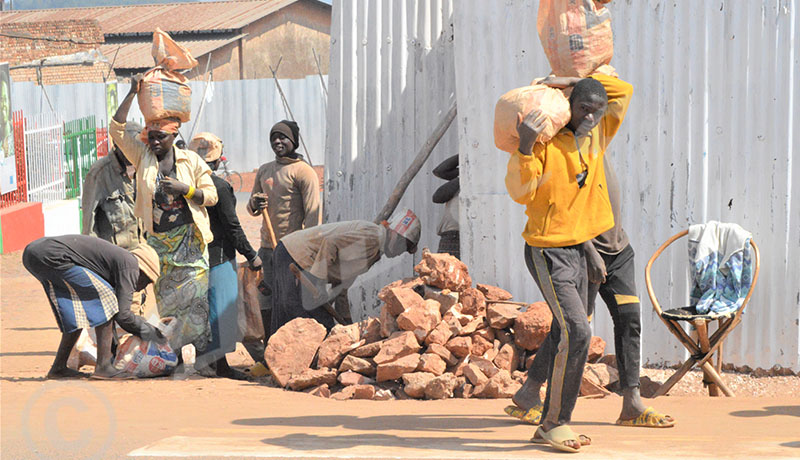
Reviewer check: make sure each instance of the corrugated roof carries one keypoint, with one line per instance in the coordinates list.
(175, 17)
(137, 55)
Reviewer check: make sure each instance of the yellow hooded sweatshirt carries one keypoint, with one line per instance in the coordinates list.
(559, 212)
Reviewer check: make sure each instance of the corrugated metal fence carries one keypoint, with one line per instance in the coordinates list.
(240, 112)
(391, 81)
(709, 136)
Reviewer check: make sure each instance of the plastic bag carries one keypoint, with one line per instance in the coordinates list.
(551, 101)
(250, 324)
(84, 353)
(169, 54)
(576, 35)
(146, 358)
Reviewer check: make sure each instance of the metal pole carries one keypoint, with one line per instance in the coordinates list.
(203, 100)
(286, 104)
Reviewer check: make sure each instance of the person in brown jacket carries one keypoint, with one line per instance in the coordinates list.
(288, 188)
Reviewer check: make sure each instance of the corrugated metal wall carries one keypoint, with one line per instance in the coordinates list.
(709, 135)
(241, 112)
(391, 81)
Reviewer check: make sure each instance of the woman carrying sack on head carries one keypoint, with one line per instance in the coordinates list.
(174, 187)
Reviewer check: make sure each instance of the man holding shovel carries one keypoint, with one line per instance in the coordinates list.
(288, 189)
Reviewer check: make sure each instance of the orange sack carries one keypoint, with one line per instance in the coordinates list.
(163, 92)
(551, 101)
(576, 35)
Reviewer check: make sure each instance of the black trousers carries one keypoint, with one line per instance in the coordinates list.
(619, 294)
(561, 276)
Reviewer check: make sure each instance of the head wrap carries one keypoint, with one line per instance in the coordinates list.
(168, 125)
(287, 128)
(207, 145)
(148, 260)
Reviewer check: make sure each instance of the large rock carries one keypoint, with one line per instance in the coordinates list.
(355, 392)
(507, 358)
(313, 377)
(395, 369)
(445, 297)
(441, 387)
(388, 322)
(596, 348)
(475, 376)
(400, 344)
(440, 334)
(460, 346)
(415, 383)
(443, 271)
(494, 292)
(444, 353)
(399, 300)
(340, 341)
(420, 318)
(501, 315)
(355, 364)
(502, 385)
(596, 377)
(433, 363)
(532, 326)
(367, 351)
(349, 378)
(473, 302)
(478, 322)
(410, 283)
(292, 348)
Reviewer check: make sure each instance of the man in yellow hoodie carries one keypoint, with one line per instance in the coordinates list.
(562, 185)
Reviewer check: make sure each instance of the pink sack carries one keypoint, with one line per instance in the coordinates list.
(576, 35)
(552, 103)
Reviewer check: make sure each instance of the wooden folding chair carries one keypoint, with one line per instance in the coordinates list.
(703, 348)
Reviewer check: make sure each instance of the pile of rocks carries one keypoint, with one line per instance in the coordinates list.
(437, 337)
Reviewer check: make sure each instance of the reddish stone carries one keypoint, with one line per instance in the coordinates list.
(399, 300)
(458, 369)
(474, 375)
(367, 351)
(611, 360)
(529, 361)
(494, 292)
(504, 336)
(409, 283)
(433, 363)
(370, 330)
(501, 315)
(292, 348)
(353, 378)
(440, 334)
(395, 369)
(339, 342)
(323, 391)
(420, 318)
(492, 354)
(441, 387)
(363, 392)
(475, 324)
(532, 326)
(415, 383)
(444, 353)
(486, 366)
(473, 302)
(596, 348)
(502, 385)
(400, 344)
(480, 345)
(507, 358)
(355, 364)
(460, 346)
(388, 322)
(313, 377)
(443, 271)
(445, 297)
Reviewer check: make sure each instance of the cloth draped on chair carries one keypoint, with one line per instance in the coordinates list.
(721, 267)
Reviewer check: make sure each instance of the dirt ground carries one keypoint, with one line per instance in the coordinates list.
(194, 417)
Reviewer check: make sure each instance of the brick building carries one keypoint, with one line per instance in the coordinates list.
(25, 43)
(242, 38)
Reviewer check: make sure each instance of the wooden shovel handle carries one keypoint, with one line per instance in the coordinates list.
(268, 223)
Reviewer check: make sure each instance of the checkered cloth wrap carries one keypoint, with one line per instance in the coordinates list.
(81, 299)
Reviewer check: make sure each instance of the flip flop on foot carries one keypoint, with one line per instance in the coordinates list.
(558, 437)
(649, 419)
(538, 439)
(66, 373)
(120, 375)
(532, 415)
